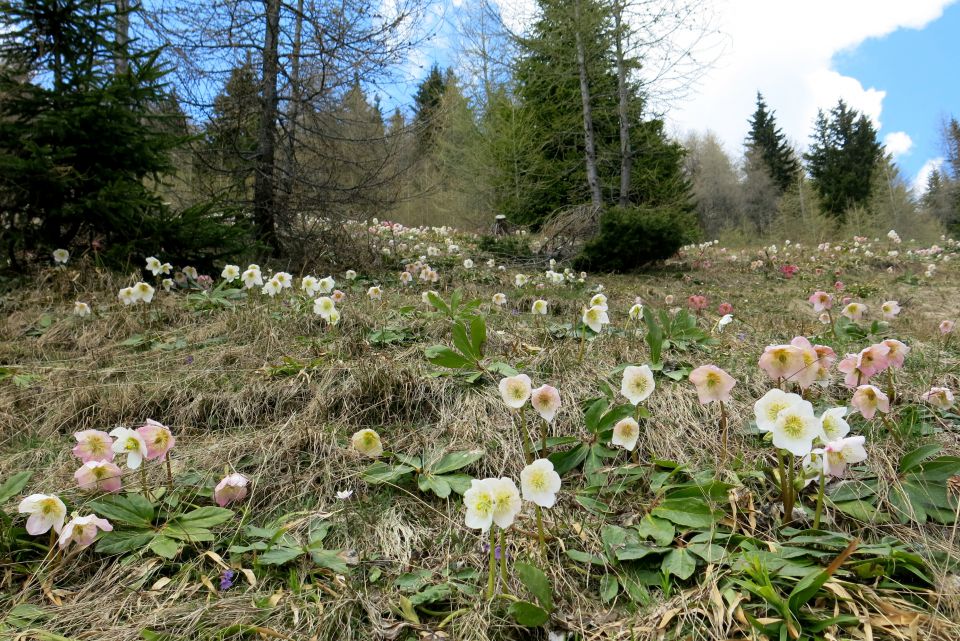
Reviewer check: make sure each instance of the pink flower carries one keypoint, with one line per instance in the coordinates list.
(868, 399)
(712, 383)
(821, 301)
(725, 308)
(93, 445)
(838, 286)
(806, 376)
(842, 452)
(789, 271)
(338, 296)
(946, 327)
(939, 397)
(890, 309)
(697, 302)
(99, 475)
(158, 438)
(898, 352)
(82, 530)
(781, 361)
(853, 376)
(873, 360)
(546, 400)
(232, 487)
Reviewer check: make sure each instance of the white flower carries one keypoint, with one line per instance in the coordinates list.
(130, 442)
(367, 442)
(500, 299)
(309, 285)
(506, 501)
(285, 279)
(625, 433)
(343, 495)
(539, 483)
(520, 280)
(725, 320)
(375, 293)
(468, 264)
(154, 266)
(166, 268)
(334, 317)
(406, 277)
(326, 284)
(82, 530)
(479, 502)
(127, 296)
(596, 317)
(839, 453)
(81, 309)
(143, 291)
(252, 278)
(61, 256)
(324, 306)
(350, 274)
(46, 511)
(539, 307)
(515, 390)
(272, 287)
(637, 383)
(636, 312)
(833, 424)
(546, 400)
(768, 408)
(796, 429)
(599, 300)
(190, 272)
(230, 273)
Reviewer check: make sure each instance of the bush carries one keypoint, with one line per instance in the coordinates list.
(630, 238)
(505, 247)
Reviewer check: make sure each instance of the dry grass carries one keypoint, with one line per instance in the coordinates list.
(290, 435)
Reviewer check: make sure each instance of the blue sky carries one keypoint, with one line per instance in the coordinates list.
(917, 69)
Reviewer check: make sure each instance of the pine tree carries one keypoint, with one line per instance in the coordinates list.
(227, 157)
(427, 103)
(844, 155)
(767, 142)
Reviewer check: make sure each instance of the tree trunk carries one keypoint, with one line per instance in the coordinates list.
(293, 115)
(593, 180)
(264, 188)
(120, 63)
(626, 153)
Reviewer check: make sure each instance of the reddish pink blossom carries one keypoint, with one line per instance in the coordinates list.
(725, 308)
(898, 352)
(873, 360)
(869, 399)
(697, 302)
(158, 438)
(821, 301)
(838, 286)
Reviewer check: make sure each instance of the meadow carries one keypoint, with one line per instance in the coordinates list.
(754, 443)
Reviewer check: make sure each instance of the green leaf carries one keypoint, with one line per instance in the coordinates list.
(279, 555)
(133, 509)
(709, 552)
(334, 560)
(635, 552)
(164, 546)
(689, 512)
(591, 504)
(204, 517)
(565, 461)
(456, 460)
(591, 419)
(461, 341)
(438, 303)
(120, 541)
(528, 614)
(435, 484)
(478, 335)
(381, 472)
(584, 557)
(536, 581)
(660, 530)
(914, 458)
(432, 594)
(12, 486)
(680, 563)
(861, 510)
(459, 483)
(443, 356)
(413, 461)
(609, 587)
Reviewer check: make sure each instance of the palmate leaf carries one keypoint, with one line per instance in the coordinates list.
(536, 582)
(443, 356)
(565, 461)
(120, 541)
(132, 509)
(689, 512)
(461, 340)
(436, 484)
(204, 517)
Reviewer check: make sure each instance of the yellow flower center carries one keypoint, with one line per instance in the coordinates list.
(793, 426)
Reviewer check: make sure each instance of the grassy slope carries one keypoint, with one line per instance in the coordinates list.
(290, 435)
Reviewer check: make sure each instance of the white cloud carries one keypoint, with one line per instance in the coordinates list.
(920, 181)
(784, 50)
(898, 143)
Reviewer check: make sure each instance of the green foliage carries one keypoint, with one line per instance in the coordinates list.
(275, 546)
(140, 524)
(469, 337)
(844, 154)
(527, 613)
(436, 474)
(767, 143)
(632, 238)
(679, 330)
(505, 247)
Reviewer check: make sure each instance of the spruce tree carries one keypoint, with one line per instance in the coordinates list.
(427, 103)
(844, 155)
(766, 142)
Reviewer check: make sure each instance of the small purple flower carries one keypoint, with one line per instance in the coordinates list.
(188, 360)
(226, 579)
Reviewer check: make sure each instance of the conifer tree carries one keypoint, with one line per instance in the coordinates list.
(767, 142)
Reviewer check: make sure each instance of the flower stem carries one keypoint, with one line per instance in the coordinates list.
(723, 432)
(527, 445)
(143, 482)
(503, 557)
(791, 477)
(169, 473)
(492, 565)
(784, 495)
(816, 515)
(543, 439)
(543, 541)
(583, 342)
